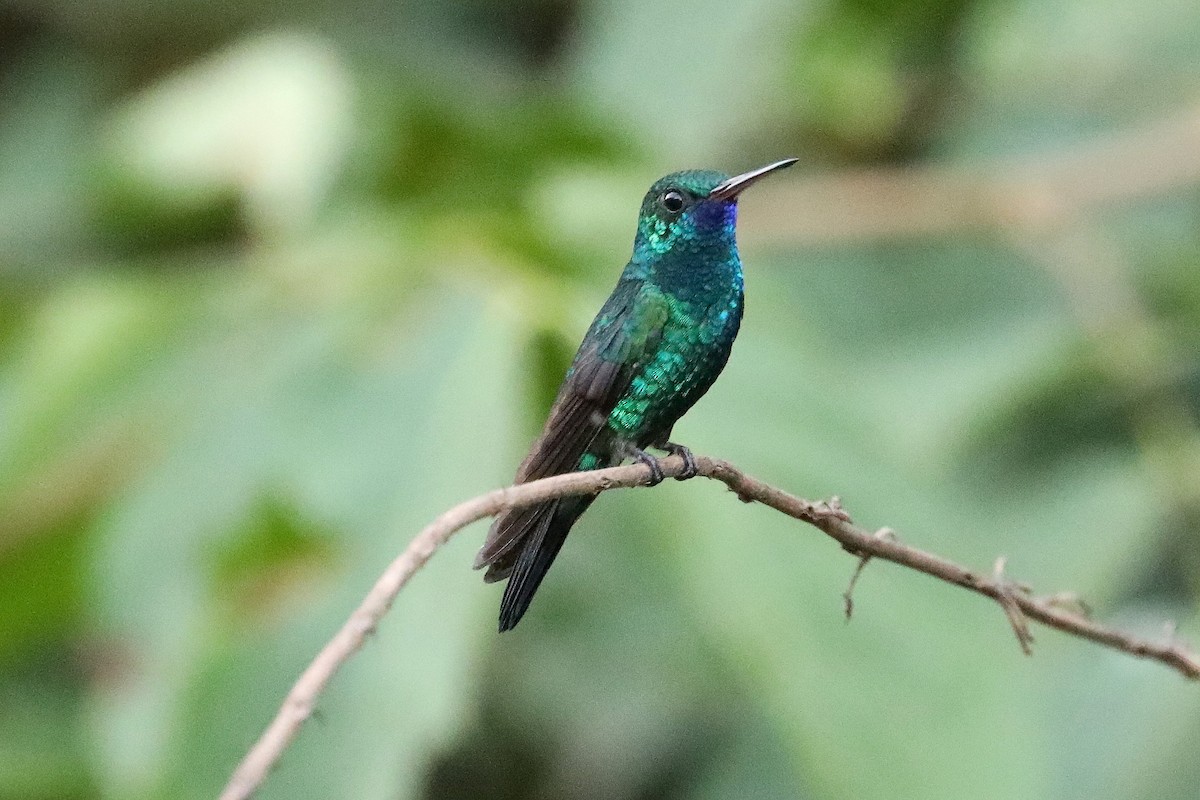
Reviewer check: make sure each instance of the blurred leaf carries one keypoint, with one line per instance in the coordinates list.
(309, 410)
(41, 755)
(84, 350)
(1069, 411)
(873, 78)
(688, 78)
(268, 120)
(47, 98)
(258, 571)
(41, 595)
(1045, 73)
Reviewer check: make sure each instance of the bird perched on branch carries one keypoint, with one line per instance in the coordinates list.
(655, 348)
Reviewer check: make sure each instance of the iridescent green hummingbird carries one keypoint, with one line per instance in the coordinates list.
(654, 349)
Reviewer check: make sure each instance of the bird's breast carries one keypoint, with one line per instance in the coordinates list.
(694, 347)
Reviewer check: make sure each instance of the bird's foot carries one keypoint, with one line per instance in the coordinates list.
(690, 470)
(642, 457)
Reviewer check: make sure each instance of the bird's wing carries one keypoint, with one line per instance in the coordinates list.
(623, 335)
(621, 338)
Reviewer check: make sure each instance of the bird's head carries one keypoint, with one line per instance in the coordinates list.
(693, 211)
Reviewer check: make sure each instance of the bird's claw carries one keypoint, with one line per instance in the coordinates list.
(656, 473)
(690, 470)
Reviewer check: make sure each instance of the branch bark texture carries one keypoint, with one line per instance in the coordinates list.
(1017, 602)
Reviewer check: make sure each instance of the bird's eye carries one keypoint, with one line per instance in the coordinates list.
(672, 201)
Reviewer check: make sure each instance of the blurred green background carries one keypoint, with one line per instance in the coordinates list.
(279, 282)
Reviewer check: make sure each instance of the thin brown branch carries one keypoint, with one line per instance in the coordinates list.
(863, 560)
(829, 518)
(1012, 609)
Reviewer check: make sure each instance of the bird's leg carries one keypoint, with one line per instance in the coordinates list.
(642, 457)
(689, 461)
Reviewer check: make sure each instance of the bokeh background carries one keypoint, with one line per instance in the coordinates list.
(279, 282)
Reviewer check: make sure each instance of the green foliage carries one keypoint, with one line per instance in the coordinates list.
(272, 300)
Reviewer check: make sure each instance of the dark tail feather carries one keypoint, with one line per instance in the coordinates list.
(537, 554)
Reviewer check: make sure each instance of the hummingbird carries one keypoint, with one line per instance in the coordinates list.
(656, 346)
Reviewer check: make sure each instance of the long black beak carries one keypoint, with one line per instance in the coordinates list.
(735, 185)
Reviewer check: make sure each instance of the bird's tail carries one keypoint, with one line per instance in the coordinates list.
(545, 539)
